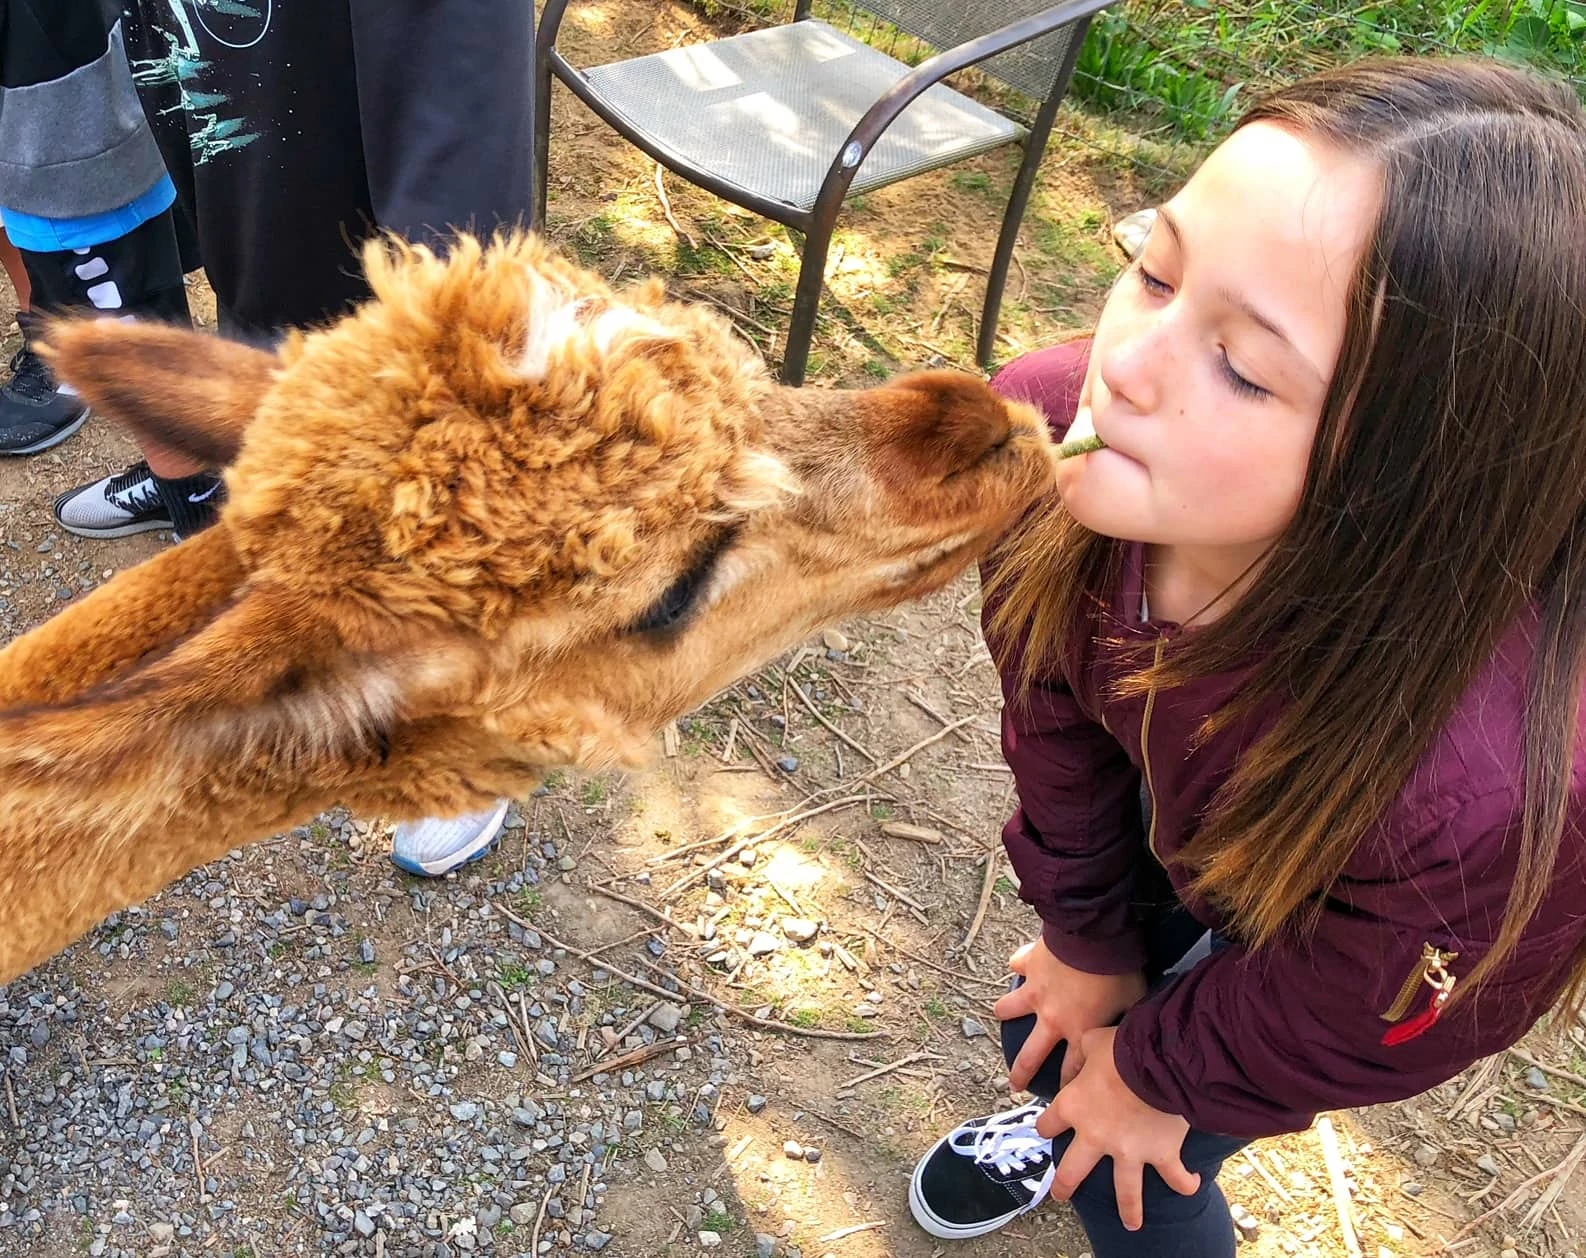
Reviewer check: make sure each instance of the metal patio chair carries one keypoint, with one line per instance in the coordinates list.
(790, 120)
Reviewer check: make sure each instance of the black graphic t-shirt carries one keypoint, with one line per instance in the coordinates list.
(295, 128)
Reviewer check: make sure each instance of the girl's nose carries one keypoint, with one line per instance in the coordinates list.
(1134, 363)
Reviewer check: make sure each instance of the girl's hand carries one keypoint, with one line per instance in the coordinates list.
(1066, 1003)
(1108, 1120)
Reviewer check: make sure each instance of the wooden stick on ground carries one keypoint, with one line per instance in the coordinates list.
(737, 1011)
(699, 871)
(986, 884)
(1335, 1178)
(534, 1239)
(816, 713)
(1563, 1172)
(633, 1058)
(1272, 1180)
(666, 208)
(881, 1070)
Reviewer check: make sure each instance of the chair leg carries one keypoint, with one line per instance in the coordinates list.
(542, 145)
(1023, 184)
(806, 299)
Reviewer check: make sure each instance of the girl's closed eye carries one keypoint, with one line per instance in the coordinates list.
(1151, 284)
(1238, 383)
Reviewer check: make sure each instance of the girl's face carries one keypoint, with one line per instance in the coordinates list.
(1213, 354)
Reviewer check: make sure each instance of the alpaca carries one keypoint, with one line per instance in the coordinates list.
(498, 520)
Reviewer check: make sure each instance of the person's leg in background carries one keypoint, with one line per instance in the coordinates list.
(411, 144)
(127, 265)
(11, 259)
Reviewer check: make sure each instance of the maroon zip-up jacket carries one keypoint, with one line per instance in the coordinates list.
(1252, 1043)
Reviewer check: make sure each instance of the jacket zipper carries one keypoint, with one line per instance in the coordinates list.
(1433, 972)
(1145, 747)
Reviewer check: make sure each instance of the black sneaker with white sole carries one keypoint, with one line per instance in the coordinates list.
(114, 506)
(36, 412)
(982, 1175)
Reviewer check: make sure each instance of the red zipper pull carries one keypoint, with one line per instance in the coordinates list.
(1404, 1032)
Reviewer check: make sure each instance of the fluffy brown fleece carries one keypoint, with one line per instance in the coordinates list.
(498, 520)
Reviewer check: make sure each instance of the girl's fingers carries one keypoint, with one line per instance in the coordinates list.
(1073, 1061)
(1014, 1004)
(1018, 961)
(1037, 1048)
(1127, 1186)
(1078, 1162)
(1185, 1182)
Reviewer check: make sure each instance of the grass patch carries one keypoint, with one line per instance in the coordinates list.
(719, 1221)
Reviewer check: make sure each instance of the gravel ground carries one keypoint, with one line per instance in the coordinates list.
(257, 1086)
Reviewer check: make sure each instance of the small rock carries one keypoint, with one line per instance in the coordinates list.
(665, 1017)
(507, 1058)
(755, 1103)
(834, 640)
(366, 952)
(654, 1159)
(812, 1155)
(762, 944)
(709, 1240)
(1425, 1155)
(1488, 1163)
(972, 1029)
(465, 1111)
(1534, 1078)
(522, 1214)
(764, 1245)
(794, 1150)
(788, 764)
(162, 1233)
(363, 1224)
(800, 929)
(487, 1216)
(596, 1240)
(1411, 1189)
(1246, 1222)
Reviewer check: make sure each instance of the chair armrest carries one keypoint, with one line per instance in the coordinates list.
(868, 130)
(550, 24)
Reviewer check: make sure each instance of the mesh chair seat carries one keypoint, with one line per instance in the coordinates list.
(767, 110)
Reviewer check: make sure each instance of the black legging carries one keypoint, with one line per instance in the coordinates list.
(1176, 1226)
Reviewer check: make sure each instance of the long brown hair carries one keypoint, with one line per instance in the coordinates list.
(1446, 494)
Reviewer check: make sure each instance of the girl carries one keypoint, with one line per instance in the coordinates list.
(1296, 658)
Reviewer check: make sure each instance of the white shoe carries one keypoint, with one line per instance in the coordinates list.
(435, 846)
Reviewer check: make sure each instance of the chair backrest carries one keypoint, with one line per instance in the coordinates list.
(1031, 68)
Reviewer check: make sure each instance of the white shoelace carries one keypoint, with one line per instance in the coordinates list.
(1009, 1142)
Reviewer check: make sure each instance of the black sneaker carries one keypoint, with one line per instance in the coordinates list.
(116, 506)
(36, 412)
(982, 1175)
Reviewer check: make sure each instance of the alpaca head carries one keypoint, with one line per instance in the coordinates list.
(500, 501)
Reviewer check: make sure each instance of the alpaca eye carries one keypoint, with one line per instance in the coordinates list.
(673, 607)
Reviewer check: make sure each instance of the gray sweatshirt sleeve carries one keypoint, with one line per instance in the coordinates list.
(73, 137)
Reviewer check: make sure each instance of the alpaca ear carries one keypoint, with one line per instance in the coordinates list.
(935, 424)
(266, 683)
(187, 391)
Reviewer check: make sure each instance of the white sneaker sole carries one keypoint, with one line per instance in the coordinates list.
(941, 1228)
(118, 530)
(481, 844)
